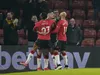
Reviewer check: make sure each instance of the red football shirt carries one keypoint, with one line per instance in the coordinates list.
(61, 30)
(44, 26)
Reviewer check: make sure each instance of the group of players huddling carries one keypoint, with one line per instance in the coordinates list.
(45, 28)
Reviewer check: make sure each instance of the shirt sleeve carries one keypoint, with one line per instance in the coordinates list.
(80, 34)
(36, 26)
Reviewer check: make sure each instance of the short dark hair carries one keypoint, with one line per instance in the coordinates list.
(43, 15)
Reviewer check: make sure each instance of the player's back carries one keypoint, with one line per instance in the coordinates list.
(44, 26)
(61, 35)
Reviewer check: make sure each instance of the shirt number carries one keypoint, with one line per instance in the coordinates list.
(46, 29)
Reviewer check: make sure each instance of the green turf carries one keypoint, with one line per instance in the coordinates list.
(95, 71)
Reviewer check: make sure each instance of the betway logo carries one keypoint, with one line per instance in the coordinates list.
(6, 60)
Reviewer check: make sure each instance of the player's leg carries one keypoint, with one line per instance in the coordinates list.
(46, 51)
(35, 47)
(65, 58)
(64, 54)
(52, 53)
(46, 61)
(38, 60)
(57, 56)
(41, 44)
(57, 59)
(46, 54)
(53, 58)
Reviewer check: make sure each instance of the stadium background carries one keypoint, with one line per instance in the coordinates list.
(81, 10)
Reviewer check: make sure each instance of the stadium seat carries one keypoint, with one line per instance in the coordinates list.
(88, 42)
(51, 4)
(20, 41)
(98, 15)
(1, 41)
(98, 34)
(89, 33)
(68, 14)
(90, 6)
(77, 13)
(98, 24)
(78, 0)
(60, 5)
(78, 4)
(65, 0)
(79, 22)
(98, 42)
(89, 24)
(1, 32)
(23, 41)
(3, 11)
(90, 14)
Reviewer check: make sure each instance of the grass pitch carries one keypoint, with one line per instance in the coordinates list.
(86, 71)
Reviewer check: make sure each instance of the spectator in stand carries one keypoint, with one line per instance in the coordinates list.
(10, 30)
(96, 5)
(56, 13)
(32, 36)
(74, 33)
(29, 9)
(42, 6)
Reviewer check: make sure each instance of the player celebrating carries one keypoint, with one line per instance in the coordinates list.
(49, 16)
(43, 28)
(61, 30)
(54, 35)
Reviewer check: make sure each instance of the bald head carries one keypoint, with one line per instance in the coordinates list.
(72, 21)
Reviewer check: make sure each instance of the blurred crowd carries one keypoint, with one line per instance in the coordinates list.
(17, 19)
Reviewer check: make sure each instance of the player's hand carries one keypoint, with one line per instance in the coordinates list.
(78, 43)
(15, 22)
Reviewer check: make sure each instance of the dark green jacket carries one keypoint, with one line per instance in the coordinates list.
(74, 35)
